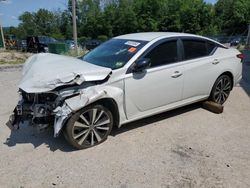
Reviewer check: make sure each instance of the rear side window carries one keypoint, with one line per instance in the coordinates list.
(197, 48)
(163, 54)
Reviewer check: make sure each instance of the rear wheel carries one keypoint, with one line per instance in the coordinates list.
(89, 127)
(221, 89)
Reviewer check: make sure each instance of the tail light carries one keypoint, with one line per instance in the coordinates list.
(241, 56)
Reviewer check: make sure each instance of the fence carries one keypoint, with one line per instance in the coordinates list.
(58, 48)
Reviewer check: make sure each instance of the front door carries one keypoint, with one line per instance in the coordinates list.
(161, 84)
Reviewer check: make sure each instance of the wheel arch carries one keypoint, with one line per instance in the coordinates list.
(110, 104)
(110, 97)
(230, 74)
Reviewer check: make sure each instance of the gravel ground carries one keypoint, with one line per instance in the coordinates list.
(187, 147)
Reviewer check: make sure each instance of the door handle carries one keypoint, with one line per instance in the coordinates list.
(215, 62)
(176, 74)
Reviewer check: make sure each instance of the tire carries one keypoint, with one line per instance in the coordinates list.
(221, 89)
(89, 126)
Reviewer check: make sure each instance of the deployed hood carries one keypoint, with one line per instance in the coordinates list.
(45, 72)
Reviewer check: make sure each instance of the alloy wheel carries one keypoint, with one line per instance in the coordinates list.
(222, 89)
(92, 127)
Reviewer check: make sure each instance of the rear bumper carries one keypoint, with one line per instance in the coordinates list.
(237, 80)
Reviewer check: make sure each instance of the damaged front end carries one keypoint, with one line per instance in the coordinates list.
(48, 81)
(56, 107)
(38, 109)
(54, 87)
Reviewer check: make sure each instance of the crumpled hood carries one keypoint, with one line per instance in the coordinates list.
(45, 72)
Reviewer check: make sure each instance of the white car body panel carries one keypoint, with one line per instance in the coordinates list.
(199, 77)
(45, 72)
(137, 95)
(139, 89)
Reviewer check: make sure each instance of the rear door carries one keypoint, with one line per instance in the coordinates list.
(200, 67)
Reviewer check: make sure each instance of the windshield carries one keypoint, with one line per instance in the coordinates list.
(114, 53)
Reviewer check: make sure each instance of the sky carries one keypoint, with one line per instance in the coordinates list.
(11, 9)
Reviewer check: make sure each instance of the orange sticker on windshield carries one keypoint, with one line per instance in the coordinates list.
(132, 50)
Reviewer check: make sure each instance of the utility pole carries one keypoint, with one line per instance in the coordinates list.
(74, 24)
(248, 37)
(2, 36)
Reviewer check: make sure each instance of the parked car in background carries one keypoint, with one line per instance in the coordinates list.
(22, 45)
(124, 79)
(91, 44)
(238, 40)
(70, 43)
(37, 44)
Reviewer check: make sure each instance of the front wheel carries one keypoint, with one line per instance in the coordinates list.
(221, 89)
(89, 127)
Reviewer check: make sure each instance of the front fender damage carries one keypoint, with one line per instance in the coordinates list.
(61, 115)
(86, 97)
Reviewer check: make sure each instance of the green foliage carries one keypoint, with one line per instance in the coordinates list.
(233, 16)
(196, 17)
(102, 38)
(43, 22)
(102, 19)
(83, 39)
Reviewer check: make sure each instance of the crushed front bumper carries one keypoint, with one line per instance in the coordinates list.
(36, 109)
(58, 119)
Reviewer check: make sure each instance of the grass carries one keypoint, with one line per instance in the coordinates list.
(12, 57)
(12, 62)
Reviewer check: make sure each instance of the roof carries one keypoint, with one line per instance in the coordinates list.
(148, 36)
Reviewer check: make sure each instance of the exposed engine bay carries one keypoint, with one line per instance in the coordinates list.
(37, 109)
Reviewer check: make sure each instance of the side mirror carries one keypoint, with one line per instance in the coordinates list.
(141, 64)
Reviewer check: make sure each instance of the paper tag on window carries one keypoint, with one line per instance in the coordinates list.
(132, 43)
(132, 49)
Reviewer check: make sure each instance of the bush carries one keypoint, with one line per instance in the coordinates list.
(83, 39)
(102, 38)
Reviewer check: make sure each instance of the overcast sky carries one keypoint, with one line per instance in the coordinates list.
(11, 9)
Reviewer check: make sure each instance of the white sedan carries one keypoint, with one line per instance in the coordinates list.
(125, 79)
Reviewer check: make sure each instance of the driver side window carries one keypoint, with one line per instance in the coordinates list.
(163, 54)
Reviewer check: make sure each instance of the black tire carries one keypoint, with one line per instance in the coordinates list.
(89, 126)
(221, 89)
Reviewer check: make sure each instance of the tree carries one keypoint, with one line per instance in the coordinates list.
(233, 16)
(148, 14)
(171, 20)
(28, 23)
(115, 17)
(197, 17)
